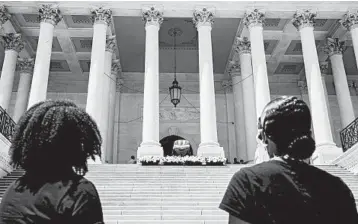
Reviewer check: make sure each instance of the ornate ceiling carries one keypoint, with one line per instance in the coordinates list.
(71, 51)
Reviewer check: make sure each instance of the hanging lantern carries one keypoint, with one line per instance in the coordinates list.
(175, 89)
(175, 93)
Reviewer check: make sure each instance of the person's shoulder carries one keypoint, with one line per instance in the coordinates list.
(262, 168)
(84, 184)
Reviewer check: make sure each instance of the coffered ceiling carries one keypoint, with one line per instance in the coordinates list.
(72, 43)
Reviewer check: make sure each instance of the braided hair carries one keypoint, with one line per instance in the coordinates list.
(53, 137)
(287, 122)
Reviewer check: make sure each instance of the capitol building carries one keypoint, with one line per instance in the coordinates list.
(153, 73)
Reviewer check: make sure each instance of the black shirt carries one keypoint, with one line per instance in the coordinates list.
(69, 200)
(277, 192)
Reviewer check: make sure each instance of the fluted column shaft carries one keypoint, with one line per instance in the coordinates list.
(203, 19)
(13, 45)
(49, 16)
(254, 20)
(150, 133)
(22, 96)
(303, 21)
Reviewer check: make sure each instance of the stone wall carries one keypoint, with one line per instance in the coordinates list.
(4, 157)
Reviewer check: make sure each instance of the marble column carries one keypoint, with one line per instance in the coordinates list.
(13, 45)
(239, 112)
(324, 72)
(103, 86)
(326, 150)
(26, 66)
(115, 71)
(335, 49)
(117, 118)
(209, 146)
(101, 18)
(243, 48)
(49, 16)
(150, 145)
(254, 21)
(350, 22)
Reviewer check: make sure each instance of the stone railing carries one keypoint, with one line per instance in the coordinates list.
(349, 138)
(7, 125)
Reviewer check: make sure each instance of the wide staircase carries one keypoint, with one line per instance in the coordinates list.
(167, 194)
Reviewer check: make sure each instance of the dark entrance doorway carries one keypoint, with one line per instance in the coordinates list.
(168, 142)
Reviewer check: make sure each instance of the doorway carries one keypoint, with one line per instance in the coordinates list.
(168, 143)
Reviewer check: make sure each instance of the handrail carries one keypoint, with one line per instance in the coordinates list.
(7, 124)
(349, 138)
(349, 135)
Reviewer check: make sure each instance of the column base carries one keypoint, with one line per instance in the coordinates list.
(150, 149)
(325, 154)
(210, 149)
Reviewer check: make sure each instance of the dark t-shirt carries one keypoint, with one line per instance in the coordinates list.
(69, 200)
(277, 192)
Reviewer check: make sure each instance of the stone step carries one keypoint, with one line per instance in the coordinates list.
(166, 221)
(182, 217)
(156, 212)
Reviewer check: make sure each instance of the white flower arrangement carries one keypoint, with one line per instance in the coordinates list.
(213, 160)
(149, 160)
(178, 160)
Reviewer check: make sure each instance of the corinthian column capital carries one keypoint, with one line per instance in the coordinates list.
(152, 16)
(227, 85)
(12, 41)
(304, 18)
(50, 14)
(203, 16)
(116, 66)
(234, 68)
(243, 45)
(26, 64)
(4, 15)
(334, 46)
(111, 43)
(350, 20)
(101, 15)
(254, 17)
(323, 66)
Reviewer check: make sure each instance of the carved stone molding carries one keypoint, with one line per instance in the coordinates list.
(203, 16)
(302, 84)
(26, 65)
(243, 45)
(350, 19)
(304, 18)
(111, 43)
(116, 67)
(4, 15)
(12, 41)
(101, 15)
(152, 16)
(234, 68)
(254, 17)
(179, 114)
(227, 85)
(50, 14)
(323, 66)
(334, 46)
(173, 130)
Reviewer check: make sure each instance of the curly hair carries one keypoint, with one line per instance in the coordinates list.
(53, 137)
(287, 122)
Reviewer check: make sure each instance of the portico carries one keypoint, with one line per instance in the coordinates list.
(81, 53)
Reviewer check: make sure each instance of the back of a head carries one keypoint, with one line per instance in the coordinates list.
(54, 137)
(132, 157)
(287, 122)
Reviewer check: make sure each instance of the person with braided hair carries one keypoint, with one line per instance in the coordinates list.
(286, 189)
(52, 142)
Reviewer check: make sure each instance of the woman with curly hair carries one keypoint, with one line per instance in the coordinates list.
(52, 142)
(286, 189)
